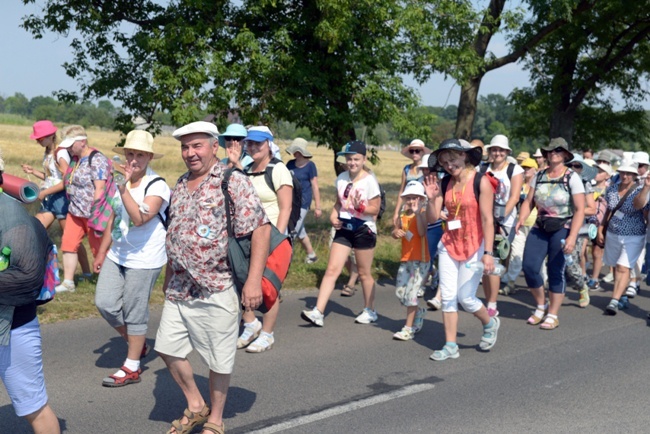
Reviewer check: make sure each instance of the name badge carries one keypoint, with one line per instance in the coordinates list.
(408, 235)
(619, 214)
(452, 225)
(345, 215)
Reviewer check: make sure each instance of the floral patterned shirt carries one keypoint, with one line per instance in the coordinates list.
(197, 238)
(81, 188)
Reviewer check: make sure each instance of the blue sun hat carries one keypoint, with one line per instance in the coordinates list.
(588, 172)
(233, 130)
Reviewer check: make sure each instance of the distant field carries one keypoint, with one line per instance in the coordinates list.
(17, 149)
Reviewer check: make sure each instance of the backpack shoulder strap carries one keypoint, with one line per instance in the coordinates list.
(510, 170)
(482, 168)
(157, 178)
(477, 184)
(90, 157)
(268, 173)
(443, 185)
(228, 201)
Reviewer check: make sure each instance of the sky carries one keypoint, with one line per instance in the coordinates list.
(33, 67)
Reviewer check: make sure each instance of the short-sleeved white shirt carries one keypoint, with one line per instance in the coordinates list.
(367, 188)
(502, 176)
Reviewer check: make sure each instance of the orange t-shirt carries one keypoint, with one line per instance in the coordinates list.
(417, 248)
(464, 242)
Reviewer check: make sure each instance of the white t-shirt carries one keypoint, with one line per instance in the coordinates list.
(143, 247)
(367, 188)
(53, 175)
(269, 198)
(502, 195)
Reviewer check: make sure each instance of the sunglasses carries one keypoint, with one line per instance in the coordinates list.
(575, 166)
(557, 150)
(252, 143)
(346, 193)
(232, 139)
(415, 151)
(602, 162)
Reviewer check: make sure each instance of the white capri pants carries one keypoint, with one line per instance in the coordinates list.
(458, 284)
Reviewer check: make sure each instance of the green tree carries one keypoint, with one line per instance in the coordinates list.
(40, 101)
(324, 65)
(17, 104)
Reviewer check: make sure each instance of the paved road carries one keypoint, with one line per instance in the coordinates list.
(591, 374)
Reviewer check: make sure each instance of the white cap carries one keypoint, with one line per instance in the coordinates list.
(414, 188)
(197, 127)
(69, 141)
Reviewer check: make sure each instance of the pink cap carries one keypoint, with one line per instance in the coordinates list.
(43, 129)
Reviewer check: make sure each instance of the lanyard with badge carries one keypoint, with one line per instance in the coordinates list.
(455, 224)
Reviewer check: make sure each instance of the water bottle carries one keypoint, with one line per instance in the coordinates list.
(478, 267)
(568, 258)
(4, 258)
(117, 176)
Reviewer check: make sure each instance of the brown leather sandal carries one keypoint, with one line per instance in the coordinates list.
(214, 428)
(348, 291)
(193, 419)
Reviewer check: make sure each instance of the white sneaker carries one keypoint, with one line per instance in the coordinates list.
(366, 317)
(609, 278)
(434, 304)
(251, 331)
(263, 343)
(65, 287)
(420, 292)
(630, 291)
(313, 316)
(406, 334)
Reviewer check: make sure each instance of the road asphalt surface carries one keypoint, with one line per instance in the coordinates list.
(592, 374)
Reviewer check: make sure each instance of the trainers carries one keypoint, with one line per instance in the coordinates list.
(420, 292)
(367, 316)
(251, 331)
(584, 297)
(263, 343)
(434, 304)
(313, 316)
(419, 320)
(489, 337)
(65, 287)
(311, 259)
(593, 285)
(447, 352)
(623, 303)
(406, 334)
(631, 291)
(493, 312)
(609, 278)
(612, 307)
(508, 288)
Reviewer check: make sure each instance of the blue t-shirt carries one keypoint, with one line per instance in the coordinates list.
(304, 175)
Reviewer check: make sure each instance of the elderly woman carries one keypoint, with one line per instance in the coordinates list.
(85, 183)
(132, 253)
(54, 202)
(467, 239)
(304, 169)
(559, 196)
(625, 229)
(354, 216)
(258, 336)
(511, 178)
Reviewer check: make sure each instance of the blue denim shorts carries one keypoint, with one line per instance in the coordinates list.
(57, 204)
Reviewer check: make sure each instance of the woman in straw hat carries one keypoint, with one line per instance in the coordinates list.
(305, 171)
(559, 196)
(54, 202)
(510, 177)
(132, 253)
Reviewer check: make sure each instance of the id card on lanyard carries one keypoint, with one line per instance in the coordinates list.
(455, 224)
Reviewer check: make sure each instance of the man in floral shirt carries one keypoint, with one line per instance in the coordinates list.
(202, 307)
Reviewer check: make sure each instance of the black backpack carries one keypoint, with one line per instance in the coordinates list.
(164, 218)
(382, 206)
(296, 201)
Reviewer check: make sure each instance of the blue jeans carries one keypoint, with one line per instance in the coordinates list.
(540, 244)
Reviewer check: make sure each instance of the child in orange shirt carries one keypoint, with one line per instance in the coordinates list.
(415, 258)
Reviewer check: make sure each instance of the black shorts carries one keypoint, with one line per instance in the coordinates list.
(362, 238)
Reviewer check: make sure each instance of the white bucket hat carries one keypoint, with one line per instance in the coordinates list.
(605, 168)
(628, 166)
(499, 141)
(641, 157)
(299, 145)
(538, 153)
(138, 140)
(414, 188)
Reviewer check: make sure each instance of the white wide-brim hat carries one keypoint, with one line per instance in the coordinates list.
(415, 144)
(299, 145)
(138, 140)
(628, 166)
(499, 141)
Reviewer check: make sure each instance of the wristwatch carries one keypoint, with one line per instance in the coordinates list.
(488, 253)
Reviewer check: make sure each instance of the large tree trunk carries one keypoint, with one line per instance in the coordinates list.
(563, 124)
(467, 106)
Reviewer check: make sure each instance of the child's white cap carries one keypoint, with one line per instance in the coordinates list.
(414, 188)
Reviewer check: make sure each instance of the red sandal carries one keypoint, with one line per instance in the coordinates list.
(130, 378)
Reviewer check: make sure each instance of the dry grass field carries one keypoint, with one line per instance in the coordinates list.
(17, 149)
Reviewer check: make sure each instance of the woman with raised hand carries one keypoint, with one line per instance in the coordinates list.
(354, 215)
(276, 199)
(232, 140)
(469, 231)
(132, 253)
(559, 197)
(85, 185)
(54, 202)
